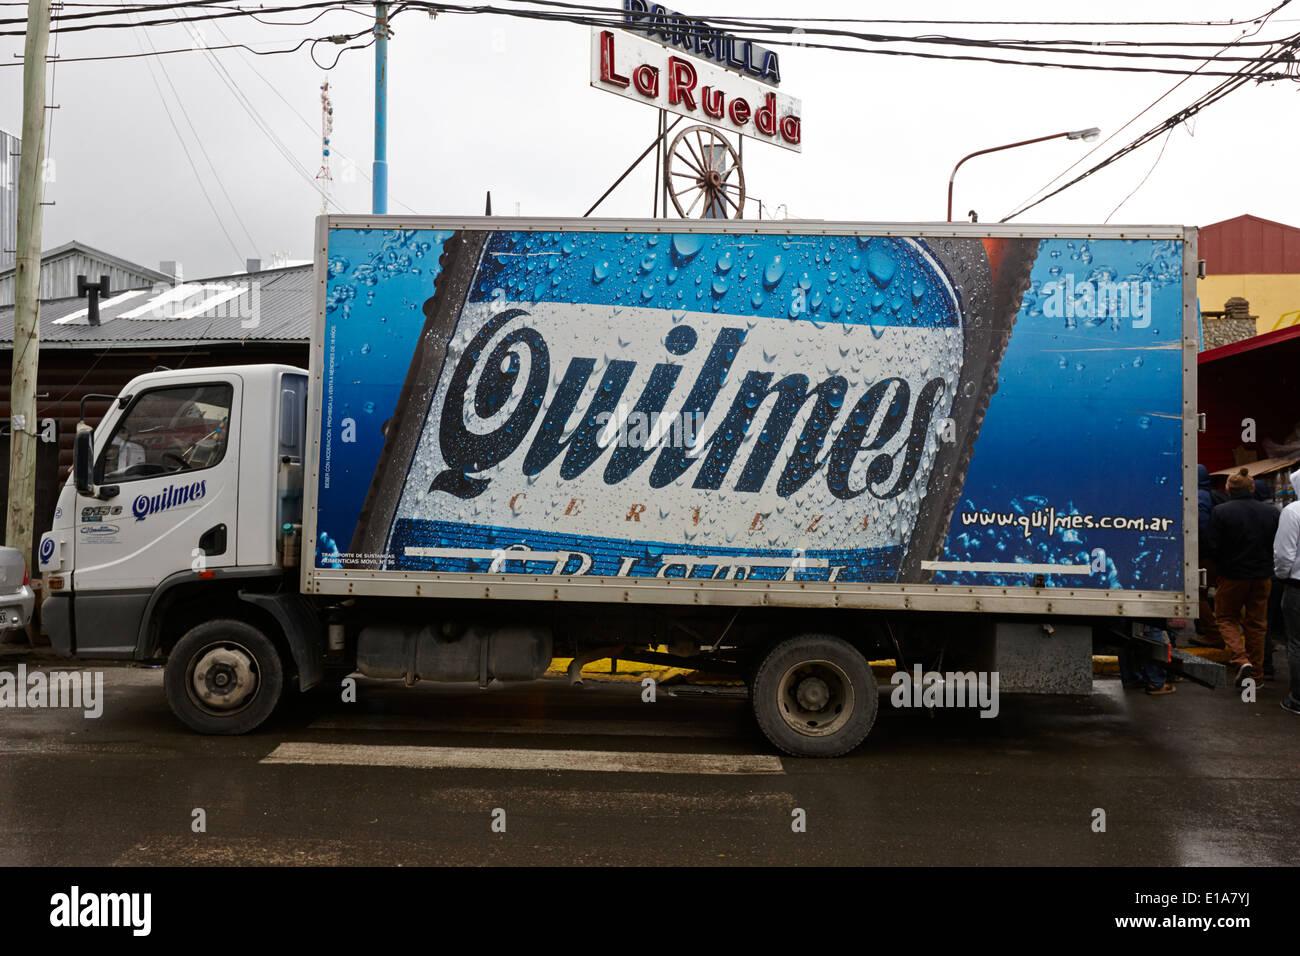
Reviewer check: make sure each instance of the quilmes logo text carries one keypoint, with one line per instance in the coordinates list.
(75, 909)
(1098, 299)
(890, 413)
(169, 497)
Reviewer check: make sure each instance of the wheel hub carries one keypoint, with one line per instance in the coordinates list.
(224, 679)
(812, 693)
(816, 698)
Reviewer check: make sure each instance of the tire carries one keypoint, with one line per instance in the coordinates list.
(807, 719)
(230, 653)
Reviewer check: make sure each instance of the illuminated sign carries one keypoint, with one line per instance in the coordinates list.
(699, 39)
(639, 70)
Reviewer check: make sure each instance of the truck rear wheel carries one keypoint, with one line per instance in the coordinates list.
(223, 677)
(815, 696)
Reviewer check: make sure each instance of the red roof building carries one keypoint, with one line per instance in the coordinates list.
(1249, 245)
(1254, 259)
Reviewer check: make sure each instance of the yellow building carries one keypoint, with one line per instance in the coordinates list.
(1253, 259)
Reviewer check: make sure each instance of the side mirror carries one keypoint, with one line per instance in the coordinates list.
(83, 457)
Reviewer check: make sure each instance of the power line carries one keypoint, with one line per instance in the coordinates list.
(992, 23)
(1136, 116)
(769, 24)
(1159, 156)
(246, 104)
(215, 4)
(1014, 46)
(306, 122)
(189, 49)
(605, 16)
(686, 31)
(119, 7)
(1213, 96)
(180, 103)
(193, 167)
(225, 12)
(1196, 106)
(296, 23)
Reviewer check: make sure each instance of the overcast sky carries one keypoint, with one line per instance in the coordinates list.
(483, 102)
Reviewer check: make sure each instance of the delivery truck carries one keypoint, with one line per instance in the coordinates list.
(777, 451)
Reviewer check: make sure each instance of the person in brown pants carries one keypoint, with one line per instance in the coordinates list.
(1240, 539)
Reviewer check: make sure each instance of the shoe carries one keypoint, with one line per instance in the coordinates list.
(1243, 672)
(1161, 691)
(1290, 706)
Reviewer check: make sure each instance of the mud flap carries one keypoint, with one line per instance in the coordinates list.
(302, 629)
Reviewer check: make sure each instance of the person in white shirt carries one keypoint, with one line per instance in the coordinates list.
(1286, 565)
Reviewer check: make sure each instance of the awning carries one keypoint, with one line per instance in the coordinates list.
(1250, 344)
(1265, 466)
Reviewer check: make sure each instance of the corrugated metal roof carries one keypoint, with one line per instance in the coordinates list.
(275, 305)
(77, 247)
(1249, 245)
(61, 266)
(10, 147)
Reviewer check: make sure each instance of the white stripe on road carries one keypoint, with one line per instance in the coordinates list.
(474, 758)
(508, 725)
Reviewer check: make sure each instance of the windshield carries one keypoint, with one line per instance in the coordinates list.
(166, 431)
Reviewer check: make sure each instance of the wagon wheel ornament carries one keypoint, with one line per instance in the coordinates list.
(704, 172)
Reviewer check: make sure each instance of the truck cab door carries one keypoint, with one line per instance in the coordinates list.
(164, 500)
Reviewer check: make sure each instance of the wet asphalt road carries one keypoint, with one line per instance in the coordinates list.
(1198, 777)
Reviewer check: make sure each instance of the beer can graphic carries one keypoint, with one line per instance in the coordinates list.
(699, 405)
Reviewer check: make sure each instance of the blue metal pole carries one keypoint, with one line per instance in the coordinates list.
(379, 192)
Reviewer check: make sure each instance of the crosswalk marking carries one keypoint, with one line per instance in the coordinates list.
(504, 758)
(516, 725)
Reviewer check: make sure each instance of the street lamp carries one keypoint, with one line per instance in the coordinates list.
(1087, 135)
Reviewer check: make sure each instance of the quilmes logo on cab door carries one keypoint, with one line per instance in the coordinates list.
(169, 497)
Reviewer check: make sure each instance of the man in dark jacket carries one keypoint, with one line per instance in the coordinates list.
(1239, 536)
(1207, 632)
(1206, 497)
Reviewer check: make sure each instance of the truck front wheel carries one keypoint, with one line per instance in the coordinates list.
(223, 677)
(815, 696)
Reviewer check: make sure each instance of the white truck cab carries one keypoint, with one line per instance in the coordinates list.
(184, 488)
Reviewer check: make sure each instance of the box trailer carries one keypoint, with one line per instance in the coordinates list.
(776, 450)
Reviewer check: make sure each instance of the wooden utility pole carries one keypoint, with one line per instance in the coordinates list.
(20, 521)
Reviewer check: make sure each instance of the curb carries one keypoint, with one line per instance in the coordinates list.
(608, 669)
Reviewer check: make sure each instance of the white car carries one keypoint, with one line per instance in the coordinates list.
(16, 598)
